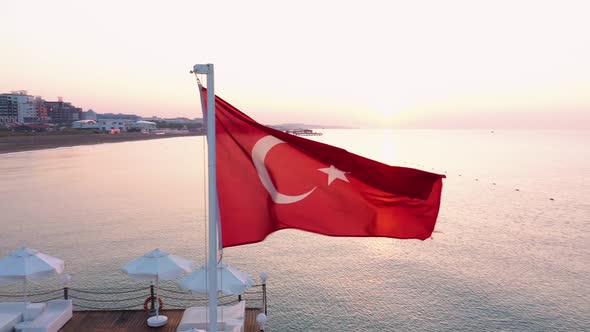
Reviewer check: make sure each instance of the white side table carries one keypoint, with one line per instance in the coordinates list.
(157, 321)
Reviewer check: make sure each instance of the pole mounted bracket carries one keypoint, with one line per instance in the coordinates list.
(203, 69)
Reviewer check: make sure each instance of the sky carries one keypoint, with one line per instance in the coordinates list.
(385, 64)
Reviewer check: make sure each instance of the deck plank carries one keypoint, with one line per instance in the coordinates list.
(135, 321)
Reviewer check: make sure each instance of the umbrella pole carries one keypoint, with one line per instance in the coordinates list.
(25, 291)
(157, 299)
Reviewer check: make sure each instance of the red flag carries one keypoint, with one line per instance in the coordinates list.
(269, 180)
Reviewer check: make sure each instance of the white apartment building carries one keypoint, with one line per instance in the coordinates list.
(26, 107)
(117, 124)
(17, 106)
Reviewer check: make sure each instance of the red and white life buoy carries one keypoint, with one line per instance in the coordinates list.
(146, 303)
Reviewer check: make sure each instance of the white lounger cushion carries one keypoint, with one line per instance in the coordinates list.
(9, 320)
(34, 310)
(29, 311)
(55, 316)
(232, 318)
(221, 327)
(12, 307)
(11, 313)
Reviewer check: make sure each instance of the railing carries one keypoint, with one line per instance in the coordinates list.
(137, 298)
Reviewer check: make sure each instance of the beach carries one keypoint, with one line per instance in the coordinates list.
(39, 141)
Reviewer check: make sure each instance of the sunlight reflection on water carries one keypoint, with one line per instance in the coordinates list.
(505, 260)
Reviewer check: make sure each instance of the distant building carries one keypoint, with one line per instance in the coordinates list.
(8, 109)
(118, 125)
(20, 102)
(144, 126)
(90, 115)
(114, 124)
(121, 122)
(183, 120)
(29, 127)
(85, 124)
(152, 118)
(41, 110)
(26, 107)
(178, 120)
(63, 113)
(119, 116)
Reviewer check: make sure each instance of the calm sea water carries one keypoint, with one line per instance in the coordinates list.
(502, 259)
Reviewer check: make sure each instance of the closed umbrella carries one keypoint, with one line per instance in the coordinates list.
(230, 281)
(28, 264)
(157, 265)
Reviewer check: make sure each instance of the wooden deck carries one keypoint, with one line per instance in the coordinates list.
(135, 320)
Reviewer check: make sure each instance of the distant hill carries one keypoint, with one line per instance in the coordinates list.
(286, 126)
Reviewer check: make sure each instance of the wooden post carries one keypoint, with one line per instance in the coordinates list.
(153, 305)
(264, 297)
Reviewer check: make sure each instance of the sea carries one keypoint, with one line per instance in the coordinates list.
(510, 252)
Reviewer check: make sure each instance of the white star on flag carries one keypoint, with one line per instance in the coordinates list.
(333, 174)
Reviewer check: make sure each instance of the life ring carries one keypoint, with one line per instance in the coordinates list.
(148, 301)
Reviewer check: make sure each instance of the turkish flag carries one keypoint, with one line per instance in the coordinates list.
(269, 180)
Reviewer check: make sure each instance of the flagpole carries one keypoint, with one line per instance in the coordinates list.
(212, 208)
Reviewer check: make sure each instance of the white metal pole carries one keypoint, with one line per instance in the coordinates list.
(25, 291)
(212, 208)
(157, 298)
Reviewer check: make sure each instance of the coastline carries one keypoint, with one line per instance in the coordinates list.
(19, 143)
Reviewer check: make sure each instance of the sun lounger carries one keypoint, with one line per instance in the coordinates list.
(9, 320)
(221, 327)
(229, 318)
(12, 313)
(6, 307)
(34, 310)
(53, 318)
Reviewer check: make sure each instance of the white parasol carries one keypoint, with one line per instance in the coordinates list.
(156, 265)
(28, 264)
(230, 281)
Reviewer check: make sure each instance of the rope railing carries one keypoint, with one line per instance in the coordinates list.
(182, 299)
(108, 299)
(30, 294)
(171, 290)
(33, 297)
(53, 298)
(108, 293)
(175, 306)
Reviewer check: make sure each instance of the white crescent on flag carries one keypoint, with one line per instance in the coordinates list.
(259, 151)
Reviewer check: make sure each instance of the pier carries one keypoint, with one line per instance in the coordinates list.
(135, 321)
(127, 309)
(303, 132)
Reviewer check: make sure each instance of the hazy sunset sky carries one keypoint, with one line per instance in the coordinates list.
(466, 64)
